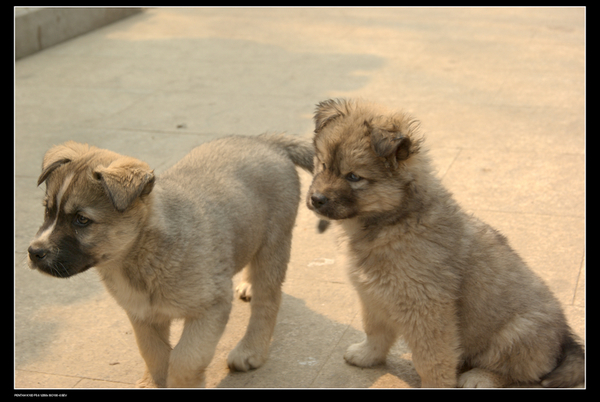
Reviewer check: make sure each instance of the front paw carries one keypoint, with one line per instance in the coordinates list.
(362, 355)
(147, 382)
(141, 383)
(188, 380)
(243, 359)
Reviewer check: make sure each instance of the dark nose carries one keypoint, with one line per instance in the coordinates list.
(37, 254)
(318, 200)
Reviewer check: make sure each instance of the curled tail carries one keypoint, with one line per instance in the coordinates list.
(300, 151)
(571, 365)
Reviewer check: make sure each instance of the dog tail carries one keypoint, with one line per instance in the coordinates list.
(301, 152)
(570, 370)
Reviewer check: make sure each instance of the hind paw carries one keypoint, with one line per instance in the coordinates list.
(244, 291)
(480, 378)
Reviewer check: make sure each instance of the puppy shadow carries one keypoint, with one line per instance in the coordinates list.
(307, 352)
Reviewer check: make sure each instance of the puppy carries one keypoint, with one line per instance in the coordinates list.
(471, 311)
(167, 247)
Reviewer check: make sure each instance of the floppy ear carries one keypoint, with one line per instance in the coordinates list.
(58, 155)
(124, 180)
(327, 111)
(391, 145)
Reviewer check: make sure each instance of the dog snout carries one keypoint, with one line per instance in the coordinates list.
(318, 200)
(37, 254)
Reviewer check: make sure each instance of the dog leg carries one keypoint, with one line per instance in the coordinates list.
(374, 349)
(196, 347)
(266, 275)
(153, 343)
(437, 366)
(252, 351)
(435, 346)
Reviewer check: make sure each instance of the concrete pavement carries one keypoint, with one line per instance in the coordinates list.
(500, 93)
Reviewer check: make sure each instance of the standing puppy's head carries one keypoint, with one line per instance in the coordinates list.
(95, 201)
(364, 160)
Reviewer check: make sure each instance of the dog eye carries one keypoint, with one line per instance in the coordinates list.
(81, 220)
(352, 177)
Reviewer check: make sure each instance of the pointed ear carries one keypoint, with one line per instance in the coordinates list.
(124, 180)
(329, 110)
(58, 155)
(391, 145)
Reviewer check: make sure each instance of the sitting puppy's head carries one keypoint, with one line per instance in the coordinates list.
(366, 160)
(94, 202)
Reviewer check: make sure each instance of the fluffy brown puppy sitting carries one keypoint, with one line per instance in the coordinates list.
(471, 311)
(166, 247)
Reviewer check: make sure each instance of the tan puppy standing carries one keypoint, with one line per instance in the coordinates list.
(471, 311)
(167, 247)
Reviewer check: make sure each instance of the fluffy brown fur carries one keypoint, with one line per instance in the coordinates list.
(167, 247)
(473, 314)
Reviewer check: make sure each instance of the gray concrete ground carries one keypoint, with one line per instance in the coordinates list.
(500, 93)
